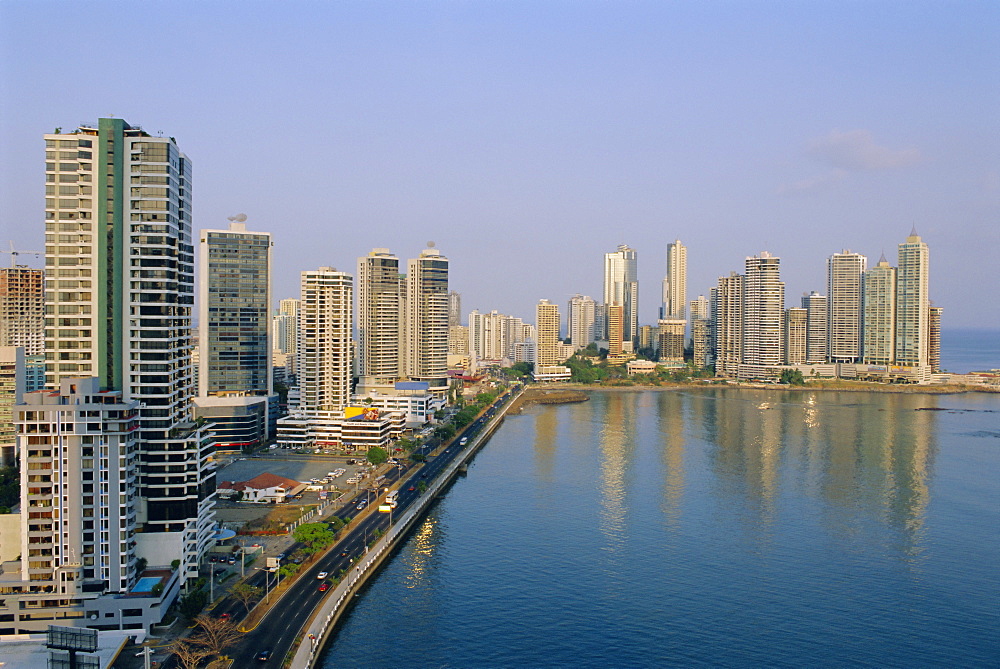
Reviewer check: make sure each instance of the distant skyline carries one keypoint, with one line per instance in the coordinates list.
(529, 139)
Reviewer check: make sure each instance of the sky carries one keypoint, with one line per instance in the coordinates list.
(527, 139)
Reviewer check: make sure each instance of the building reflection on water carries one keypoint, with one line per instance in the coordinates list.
(867, 455)
(672, 412)
(616, 441)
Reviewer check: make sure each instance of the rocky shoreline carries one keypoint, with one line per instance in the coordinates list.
(560, 395)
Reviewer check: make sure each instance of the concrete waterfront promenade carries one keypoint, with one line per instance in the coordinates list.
(326, 616)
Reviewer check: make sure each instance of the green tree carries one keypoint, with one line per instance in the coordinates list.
(444, 432)
(483, 399)
(316, 536)
(422, 487)
(792, 377)
(289, 569)
(524, 368)
(377, 455)
(191, 604)
(10, 487)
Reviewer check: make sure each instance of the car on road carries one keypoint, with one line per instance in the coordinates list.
(264, 655)
(362, 504)
(320, 576)
(225, 616)
(412, 488)
(323, 587)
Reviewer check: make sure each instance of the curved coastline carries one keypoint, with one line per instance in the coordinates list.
(549, 389)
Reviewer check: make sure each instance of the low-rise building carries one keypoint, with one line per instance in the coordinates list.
(266, 488)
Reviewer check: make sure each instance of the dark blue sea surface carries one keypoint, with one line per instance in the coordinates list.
(723, 528)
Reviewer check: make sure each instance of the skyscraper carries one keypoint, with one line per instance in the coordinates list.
(796, 319)
(427, 319)
(880, 314)
(454, 308)
(934, 339)
(234, 312)
(120, 288)
(547, 328)
(22, 320)
(816, 329)
(727, 324)
(621, 287)
(844, 273)
(581, 320)
(379, 319)
(284, 337)
(912, 302)
(763, 317)
(325, 330)
(675, 282)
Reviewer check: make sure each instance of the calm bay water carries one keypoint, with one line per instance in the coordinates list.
(964, 351)
(715, 528)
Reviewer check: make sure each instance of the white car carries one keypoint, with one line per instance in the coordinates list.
(362, 505)
(320, 576)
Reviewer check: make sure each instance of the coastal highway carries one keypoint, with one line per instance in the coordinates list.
(280, 627)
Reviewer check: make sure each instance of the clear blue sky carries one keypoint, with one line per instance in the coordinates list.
(528, 138)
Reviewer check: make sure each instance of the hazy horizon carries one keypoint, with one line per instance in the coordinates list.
(528, 139)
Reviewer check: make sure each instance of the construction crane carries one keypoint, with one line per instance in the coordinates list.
(14, 254)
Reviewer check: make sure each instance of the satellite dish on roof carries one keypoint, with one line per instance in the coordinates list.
(239, 218)
(430, 245)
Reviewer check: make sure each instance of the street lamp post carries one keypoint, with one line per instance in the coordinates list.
(267, 583)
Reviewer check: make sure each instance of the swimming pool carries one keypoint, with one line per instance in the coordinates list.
(146, 583)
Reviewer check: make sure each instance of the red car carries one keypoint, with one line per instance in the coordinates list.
(225, 616)
(323, 587)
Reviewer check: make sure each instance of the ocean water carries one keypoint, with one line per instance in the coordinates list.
(970, 350)
(722, 528)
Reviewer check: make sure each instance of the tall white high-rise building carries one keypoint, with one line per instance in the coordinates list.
(844, 272)
(284, 337)
(913, 302)
(763, 317)
(325, 329)
(621, 287)
(547, 328)
(675, 283)
(120, 289)
(79, 542)
(234, 312)
(426, 352)
(488, 335)
(879, 314)
(700, 308)
(816, 329)
(581, 320)
(727, 323)
(796, 320)
(380, 318)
